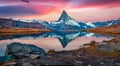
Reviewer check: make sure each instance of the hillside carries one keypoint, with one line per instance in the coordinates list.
(113, 30)
(19, 24)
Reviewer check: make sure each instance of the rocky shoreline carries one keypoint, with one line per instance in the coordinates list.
(106, 53)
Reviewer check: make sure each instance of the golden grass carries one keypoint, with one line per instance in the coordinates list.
(107, 30)
(12, 31)
(93, 51)
(52, 51)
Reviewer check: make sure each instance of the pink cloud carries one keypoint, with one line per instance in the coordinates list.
(76, 8)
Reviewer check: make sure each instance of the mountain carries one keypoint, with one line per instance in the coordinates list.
(107, 23)
(67, 19)
(31, 21)
(20, 24)
(65, 23)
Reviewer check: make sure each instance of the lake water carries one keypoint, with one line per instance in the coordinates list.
(58, 41)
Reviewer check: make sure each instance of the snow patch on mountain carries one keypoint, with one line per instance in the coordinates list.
(109, 24)
(90, 24)
(31, 21)
(25, 20)
(72, 22)
(55, 23)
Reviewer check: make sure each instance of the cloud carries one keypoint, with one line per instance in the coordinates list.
(16, 11)
(40, 1)
(66, 3)
(89, 3)
(44, 8)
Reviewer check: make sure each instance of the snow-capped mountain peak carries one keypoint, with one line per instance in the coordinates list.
(65, 22)
(66, 19)
(72, 22)
(64, 16)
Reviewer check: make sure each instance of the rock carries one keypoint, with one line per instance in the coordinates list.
(10, 64)
(51, 62)
(48, 57)
(101, 63)
(19, 50)
(101, 43)
(117, 64)
(6, 58)
(109, 47)
(78, 55)
(89, 65)
(34, 56)
(27, 64)
(78, 63)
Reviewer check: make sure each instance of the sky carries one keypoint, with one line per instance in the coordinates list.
(49, 10)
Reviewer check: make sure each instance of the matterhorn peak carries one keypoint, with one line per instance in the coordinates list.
(64, 16)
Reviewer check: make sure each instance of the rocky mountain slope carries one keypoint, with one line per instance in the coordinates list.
(19, 24)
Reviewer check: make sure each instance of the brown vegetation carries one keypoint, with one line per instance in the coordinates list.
(13, 31)
(52, 51)
(109, 30)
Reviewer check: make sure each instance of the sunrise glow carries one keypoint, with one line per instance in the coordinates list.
(49, 10)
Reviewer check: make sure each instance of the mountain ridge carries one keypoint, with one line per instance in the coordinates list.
(64, 23)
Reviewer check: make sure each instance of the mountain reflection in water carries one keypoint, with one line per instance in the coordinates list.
(54, 40)
(66, 37)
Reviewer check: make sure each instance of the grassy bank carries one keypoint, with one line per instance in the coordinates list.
(108, 30)
(12, 31)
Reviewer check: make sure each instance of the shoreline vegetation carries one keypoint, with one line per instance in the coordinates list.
(14, 31)
(113, 30)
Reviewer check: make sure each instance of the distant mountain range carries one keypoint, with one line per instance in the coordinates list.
(65, 22)
(20, 24)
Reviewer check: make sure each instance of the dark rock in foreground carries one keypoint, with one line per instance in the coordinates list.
(19, 50)
(6, 58)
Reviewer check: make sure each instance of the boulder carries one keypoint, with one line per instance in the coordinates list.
(6, 58)
(27, 64)
(10, 64)
(19, 50)
(109, 47)
(34, 56)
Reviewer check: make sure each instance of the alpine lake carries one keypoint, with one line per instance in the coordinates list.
(58, 41)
